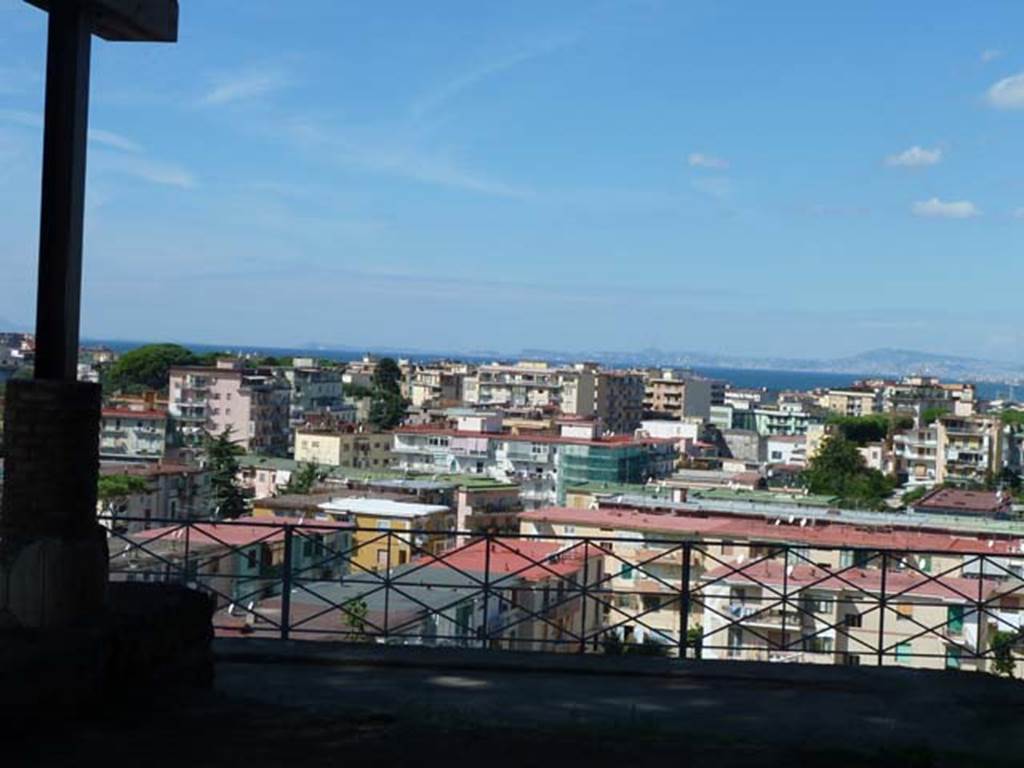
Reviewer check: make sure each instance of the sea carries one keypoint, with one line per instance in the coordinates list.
(745, 378)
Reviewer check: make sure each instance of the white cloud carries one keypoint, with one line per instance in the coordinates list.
(113, 140)
(941, 209)
(435, 98)
(717, 187)
(245, 85)
(701, 160)
(1008, 93)
(989, 54)
(153, 171)
(915, 157)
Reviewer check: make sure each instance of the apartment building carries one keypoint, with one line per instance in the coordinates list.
(127, 434)
(915, 455)
(359, 373)
(417, 528)
(541, 463)
(835, 619)
(315, 390)
(970, 449)
(435, 385)
(927, 570)
(344, 446)
(238, 563)
(253, 402)
(526, 383)
(172, 492)
(853, 401)
(619, 400)
(917, 394)
(678, 395)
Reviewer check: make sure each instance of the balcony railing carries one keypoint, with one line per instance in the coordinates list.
(585, 594)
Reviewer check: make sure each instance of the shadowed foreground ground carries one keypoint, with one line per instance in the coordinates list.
(277, 704)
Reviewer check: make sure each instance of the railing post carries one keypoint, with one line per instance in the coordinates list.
(387, 584)
(785, 597)
(286, 583)
(977, 637)
(184, 570)
(583, 597)
(881, 610)
(684, 601)
(487, 585)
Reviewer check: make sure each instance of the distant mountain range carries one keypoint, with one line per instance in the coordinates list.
(875, 362)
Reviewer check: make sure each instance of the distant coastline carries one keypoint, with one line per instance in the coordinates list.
(753, 377)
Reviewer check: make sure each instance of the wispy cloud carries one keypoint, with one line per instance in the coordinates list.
(398, 159)
(113, 140)
(702, 160)
(941, 209)
(146, 169)
(435, 98)
(1008, 93)
(34, 120)
(915, 157)
(242, 86)
(989, 54)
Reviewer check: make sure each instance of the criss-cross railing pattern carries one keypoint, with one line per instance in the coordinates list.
(614, 594)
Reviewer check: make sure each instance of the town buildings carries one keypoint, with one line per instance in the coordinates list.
(344, 446)
(676, 395)
(252, 402)
(127, 434)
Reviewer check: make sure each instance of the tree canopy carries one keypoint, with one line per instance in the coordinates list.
(838, 469)
(868, 429)
(304, 478)
(387, 408)
(146, 367)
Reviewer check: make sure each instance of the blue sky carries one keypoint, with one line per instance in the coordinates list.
(791, 178)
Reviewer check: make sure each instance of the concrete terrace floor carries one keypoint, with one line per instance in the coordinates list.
(321, 704)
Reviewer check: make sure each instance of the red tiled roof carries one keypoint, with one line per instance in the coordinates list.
(238, 533)
(518, 556)
(905, 584)
(128, 413)
(733, 528)
(968, 501)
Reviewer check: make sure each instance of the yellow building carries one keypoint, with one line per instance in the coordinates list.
(390, 533)
(851, 402)
(344, 448)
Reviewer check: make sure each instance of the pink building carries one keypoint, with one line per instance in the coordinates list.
(252, 402)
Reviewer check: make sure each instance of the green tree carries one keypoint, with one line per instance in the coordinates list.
(146, 367)
(931, 415)
(222, 460)
(387, 376)
(304, 478)
(113, 492)
(1002, 651)
(1012, 417)
(868, 429)
(838, 469)
(387, 408)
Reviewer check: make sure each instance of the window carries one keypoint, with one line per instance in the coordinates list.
(853, 620)
(383, 525)
(903, 652)
(250, 559)
(382, 558)
(626, 572)
(651, 602)
(955, 619)
(852, 659)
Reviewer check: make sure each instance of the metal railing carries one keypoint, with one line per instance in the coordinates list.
(317, 579)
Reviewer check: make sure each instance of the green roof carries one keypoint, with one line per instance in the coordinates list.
(764, 497)
(633, 489)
